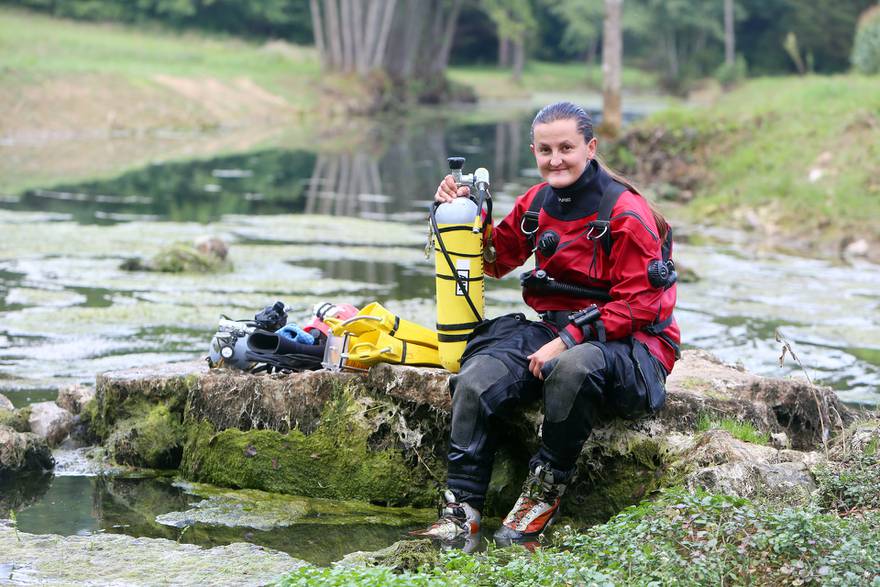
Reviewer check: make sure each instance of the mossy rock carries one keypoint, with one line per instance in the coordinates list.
(121, 395)
(179, 258)
(16, 419)
(405, 555)
(614, 475)
(348, 456)
(153, 439)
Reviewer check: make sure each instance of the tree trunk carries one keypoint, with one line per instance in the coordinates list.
(503, 51)
(612, 64)
(519, 59)
(357, 19)
(448, 34)
(318, 28)
(378, 58)
(406, 41)
(348, 37)
(334, 34)
(729, 38)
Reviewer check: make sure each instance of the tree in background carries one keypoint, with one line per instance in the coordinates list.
(515, 22)
(612, 66)
(866, 48)
(729, 34)
(582, 25)
(406, 42)
(683, 37)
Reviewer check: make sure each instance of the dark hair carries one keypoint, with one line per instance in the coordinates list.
(564, 111)
(584, 122)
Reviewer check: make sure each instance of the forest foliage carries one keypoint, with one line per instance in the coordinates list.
(682, 38)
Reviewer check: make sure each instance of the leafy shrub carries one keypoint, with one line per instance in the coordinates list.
(853, 483)
(866, 47)
(680, 539)
(730, 74)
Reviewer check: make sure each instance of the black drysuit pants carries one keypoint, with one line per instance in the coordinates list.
(585, 384)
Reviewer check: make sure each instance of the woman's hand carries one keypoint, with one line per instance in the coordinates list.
(544, 355)
(448, 191)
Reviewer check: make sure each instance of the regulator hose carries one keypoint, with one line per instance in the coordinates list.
(539, 281)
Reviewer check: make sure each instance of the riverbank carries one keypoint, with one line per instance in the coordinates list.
(739, 479)
(795, 161)
(791, 159)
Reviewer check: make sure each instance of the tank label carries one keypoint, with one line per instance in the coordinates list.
(463, 268)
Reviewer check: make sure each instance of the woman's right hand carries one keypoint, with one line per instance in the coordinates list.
(448, 191)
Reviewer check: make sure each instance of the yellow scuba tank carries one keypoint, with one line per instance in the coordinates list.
(457, 230)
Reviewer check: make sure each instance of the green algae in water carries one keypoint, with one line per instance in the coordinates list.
(260, 510)
(326, 532)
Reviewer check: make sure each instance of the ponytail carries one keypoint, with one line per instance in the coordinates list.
(659, 219)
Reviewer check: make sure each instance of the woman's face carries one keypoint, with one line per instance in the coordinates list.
(561, 152)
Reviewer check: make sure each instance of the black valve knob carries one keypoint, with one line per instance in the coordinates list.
(547, 243)
(455, 163)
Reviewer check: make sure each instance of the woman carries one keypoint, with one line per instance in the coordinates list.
(606, 339)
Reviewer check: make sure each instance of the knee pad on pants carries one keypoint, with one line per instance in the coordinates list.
(477, 376)
(568, 379)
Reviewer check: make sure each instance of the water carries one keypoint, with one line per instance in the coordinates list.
(341, 224)
(77, 505)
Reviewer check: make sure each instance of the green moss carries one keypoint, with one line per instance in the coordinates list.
(336, 461)
(610, 482)
(117, 401)
(184, 258)
(153, 439)
(261, 510)
(16, 419)
(744, 431)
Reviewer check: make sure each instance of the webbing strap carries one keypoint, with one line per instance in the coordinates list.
(462, 326)
(603, 219)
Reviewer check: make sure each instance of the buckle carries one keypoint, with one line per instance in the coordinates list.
(603, 225)
(531, 217)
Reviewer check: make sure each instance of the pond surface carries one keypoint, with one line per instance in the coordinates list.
(318, 531)
(346, 224)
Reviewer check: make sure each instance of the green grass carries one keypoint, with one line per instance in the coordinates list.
(492, 83)
(763, 141)
(744, 431)
(34, 47)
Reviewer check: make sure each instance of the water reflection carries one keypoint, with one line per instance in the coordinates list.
(76, 505)
(392, 173)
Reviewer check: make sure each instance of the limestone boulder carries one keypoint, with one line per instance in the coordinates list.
(23, 452)
(382, 436)
(51, 422)
(723, 464)
(73, 398)
(16, 419)
(6, 403)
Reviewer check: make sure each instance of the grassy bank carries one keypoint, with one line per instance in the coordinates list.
(791, 156)
(680, 538)
(34, 48)
(541, 78)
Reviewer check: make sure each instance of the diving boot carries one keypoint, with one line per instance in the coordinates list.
(535, 510)
(456, 520)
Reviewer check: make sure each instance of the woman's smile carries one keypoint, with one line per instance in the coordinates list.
(561, 151)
